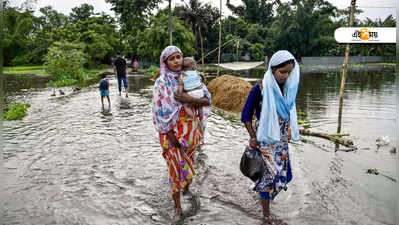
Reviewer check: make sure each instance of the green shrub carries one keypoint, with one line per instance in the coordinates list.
(21, 60)
(63, 80)
(16, 111)
(64, 58)
(152, 71)
(257, 52)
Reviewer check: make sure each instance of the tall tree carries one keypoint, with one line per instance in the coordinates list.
(81, 13)
(152, 40)
(201, 18)
(18, 29)
(134, 14)
(305, 27)
(255, 11)
(48, 26)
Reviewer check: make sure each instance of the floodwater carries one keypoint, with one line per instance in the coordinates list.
(68, 163)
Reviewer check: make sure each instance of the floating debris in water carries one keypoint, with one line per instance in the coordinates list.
(382, 141)
(373, 171)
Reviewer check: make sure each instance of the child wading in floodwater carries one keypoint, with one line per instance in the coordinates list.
(104, 91)
(190, 82)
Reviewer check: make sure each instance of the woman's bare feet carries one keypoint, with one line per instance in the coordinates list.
(267, 220)
(273, 220)
(178, 212)
(178, 217)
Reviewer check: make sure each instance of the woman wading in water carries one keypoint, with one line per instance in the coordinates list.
(179, 138)
(273, 102)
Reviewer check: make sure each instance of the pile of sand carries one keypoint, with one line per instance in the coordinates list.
(229, 92)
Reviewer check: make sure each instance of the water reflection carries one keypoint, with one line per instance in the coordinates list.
(138, 82)
(15, 83)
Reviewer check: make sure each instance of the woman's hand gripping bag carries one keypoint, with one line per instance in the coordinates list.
(252, 165)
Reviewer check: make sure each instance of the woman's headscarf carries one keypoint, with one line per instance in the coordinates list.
(165, 108)
(274, 104)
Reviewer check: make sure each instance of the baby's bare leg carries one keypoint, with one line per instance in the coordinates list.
(200, 111)
(189, 110)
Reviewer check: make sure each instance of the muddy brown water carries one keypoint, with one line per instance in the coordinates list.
(68, 163)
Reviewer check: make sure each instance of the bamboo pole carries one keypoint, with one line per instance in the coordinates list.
(2, 35)
(344, 69)
(337, 138)
(220, 37)
(210, 52)
(170, 23)
(202, 51)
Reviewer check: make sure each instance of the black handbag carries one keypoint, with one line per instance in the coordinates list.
(252, 164)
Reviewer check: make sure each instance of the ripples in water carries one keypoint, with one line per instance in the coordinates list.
(69, 163)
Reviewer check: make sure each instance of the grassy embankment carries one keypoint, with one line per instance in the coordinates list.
(24, 70)
(84, 78)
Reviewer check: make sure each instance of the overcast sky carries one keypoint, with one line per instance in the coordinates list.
(372, 8)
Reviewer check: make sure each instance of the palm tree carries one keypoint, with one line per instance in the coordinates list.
(201, 18)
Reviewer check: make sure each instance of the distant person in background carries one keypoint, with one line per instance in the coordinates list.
(120, 71)
(104, 91)
(135, 65)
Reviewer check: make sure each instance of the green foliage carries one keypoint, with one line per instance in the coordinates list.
(152, 70)
(373, 171)
(63, 80)
(100, 39)
(254, 11)
(257, 52)
(235, 26)
(154, 39)
(300, 113)
(28, 38)
(21, 59)
(64, 59)
(311, 21)
(81, 13)
(17, 29)
(16, 111)
(302, 120)
(304, 27)
(84, 78)
(133, 14)
(200, 18)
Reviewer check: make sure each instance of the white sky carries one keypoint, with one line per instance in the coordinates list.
(372, 8)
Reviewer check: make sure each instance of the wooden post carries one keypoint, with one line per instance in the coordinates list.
(238, 44)
(344, 69)
(220, 37)
(170, 23)
(202, 51)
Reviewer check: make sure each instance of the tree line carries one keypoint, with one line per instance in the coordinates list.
(256, 29)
